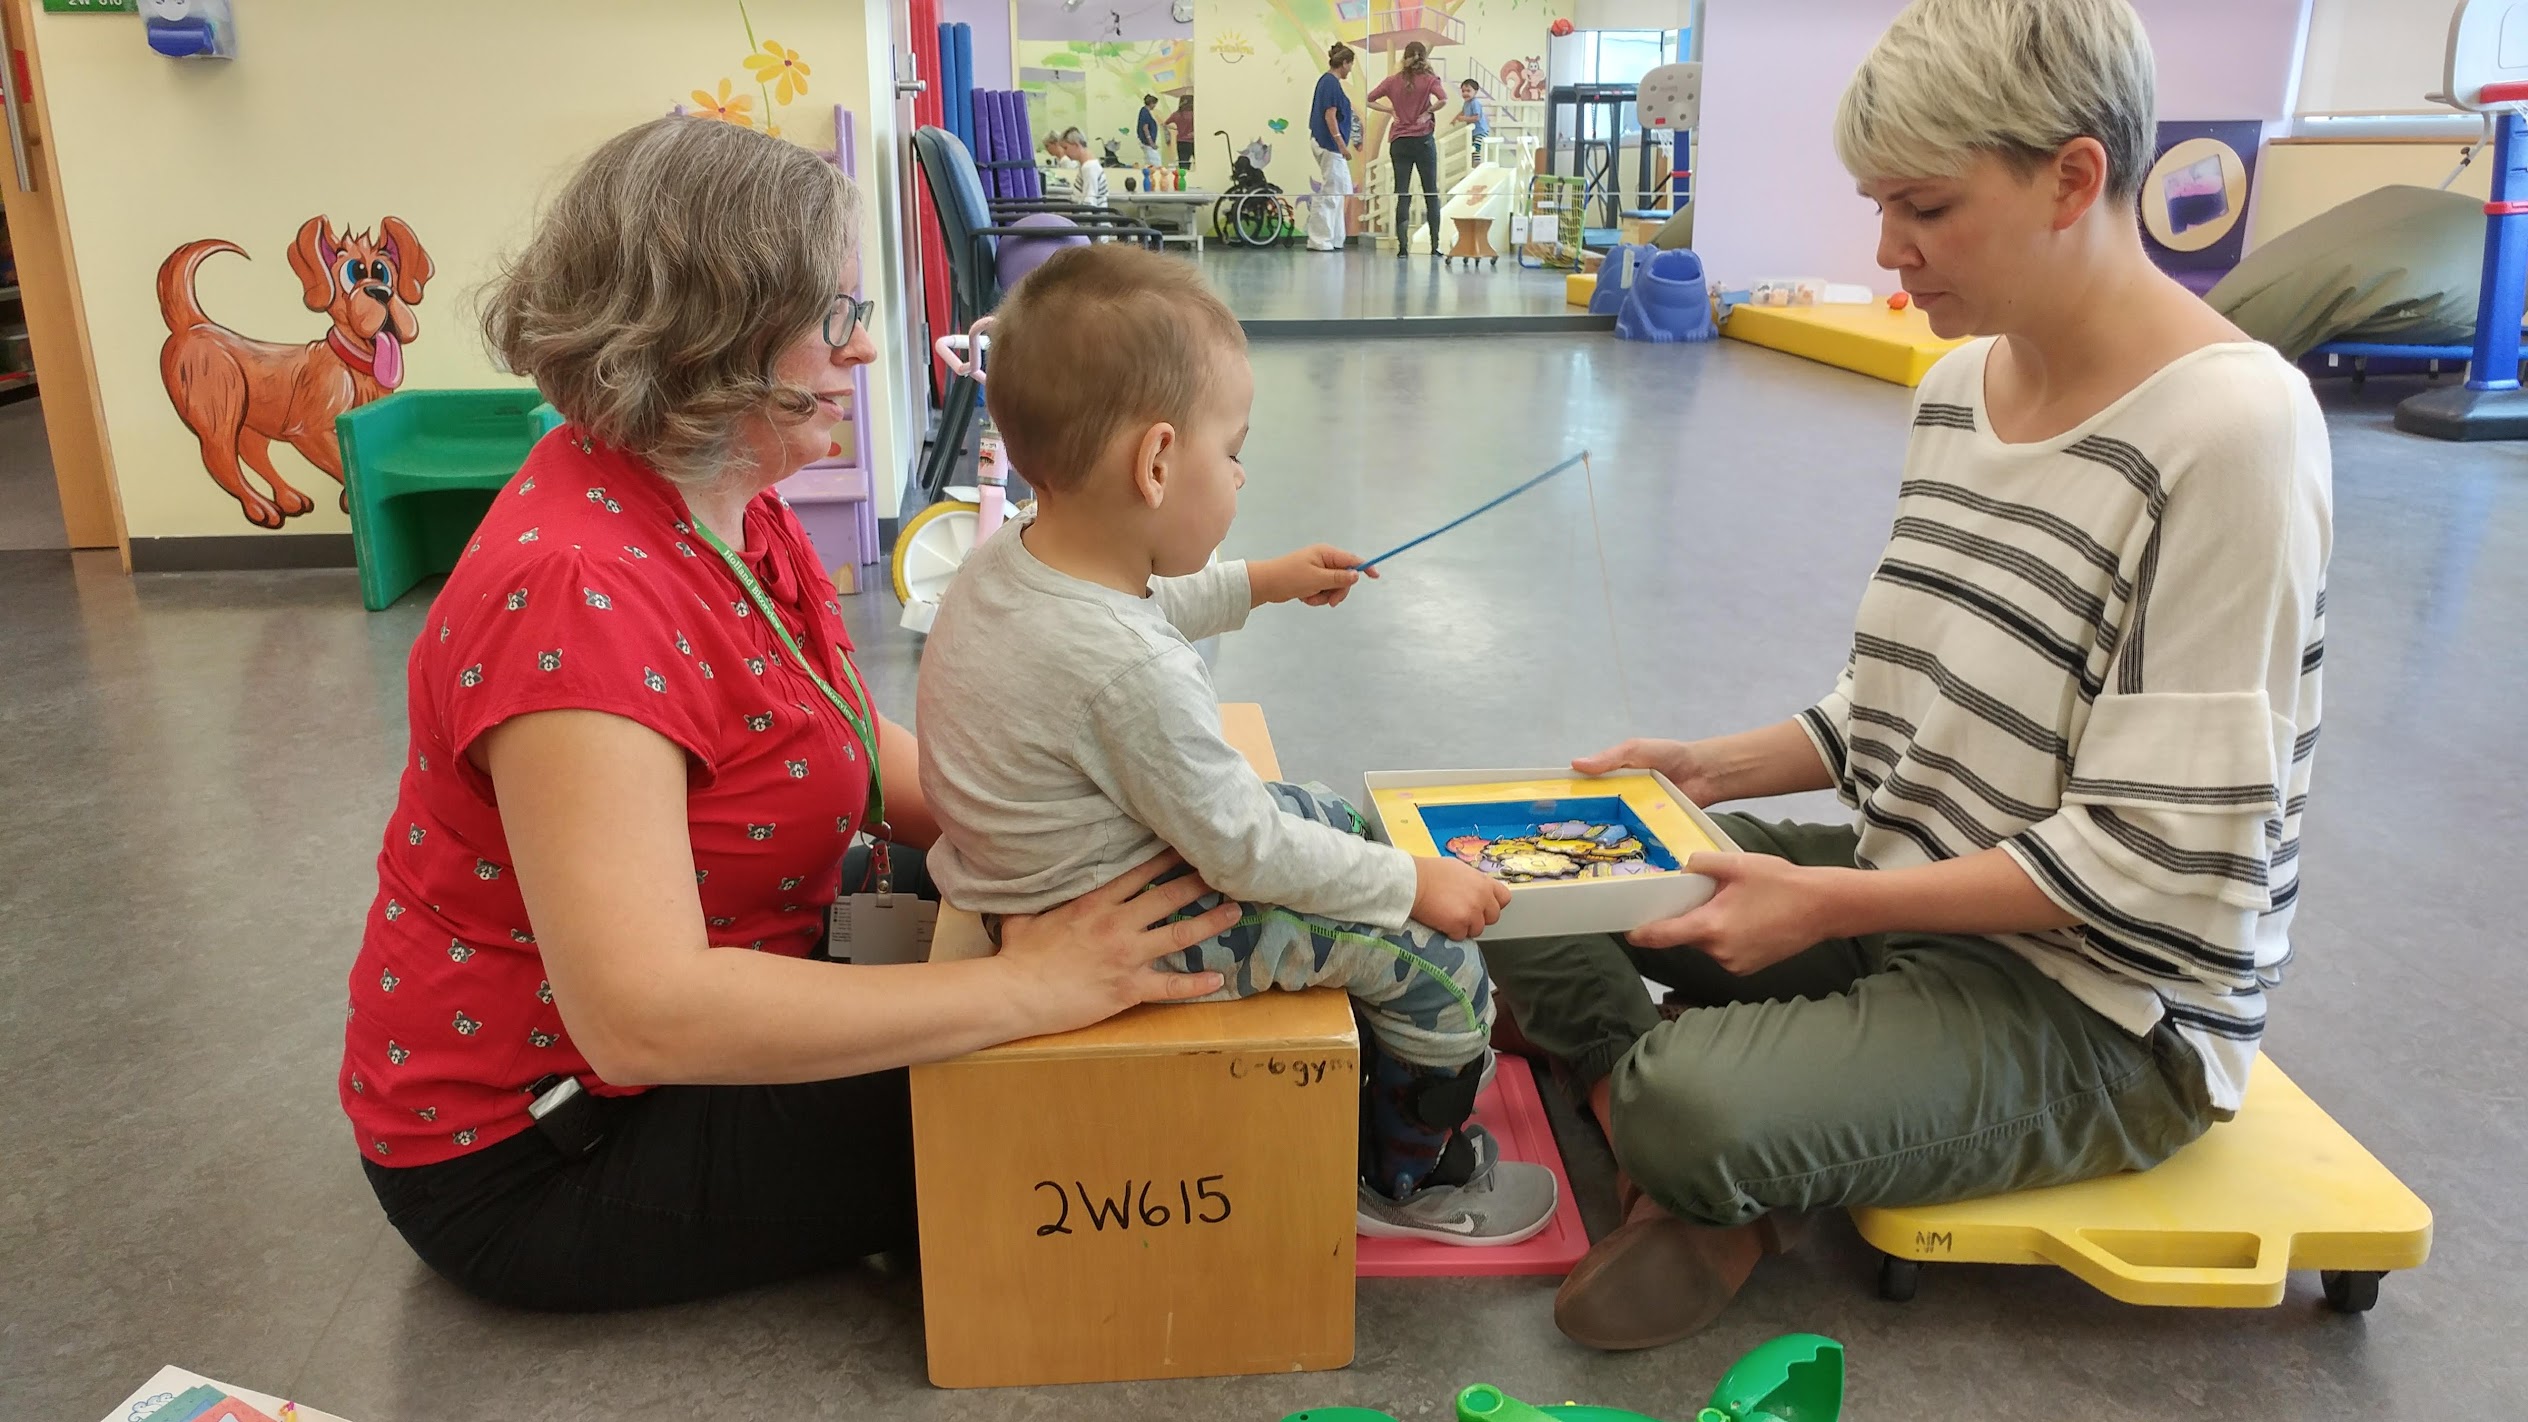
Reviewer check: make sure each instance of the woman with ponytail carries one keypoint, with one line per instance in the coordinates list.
(1414, 95)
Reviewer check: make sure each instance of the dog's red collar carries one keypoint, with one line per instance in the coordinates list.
(362, 361)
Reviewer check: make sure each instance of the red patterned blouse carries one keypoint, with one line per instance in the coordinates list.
(588, 587)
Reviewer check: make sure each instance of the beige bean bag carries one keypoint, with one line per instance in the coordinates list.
(2400, 265)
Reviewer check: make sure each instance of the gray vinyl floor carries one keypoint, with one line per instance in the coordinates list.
(1363, 283)
(196, 769)
(30, 505)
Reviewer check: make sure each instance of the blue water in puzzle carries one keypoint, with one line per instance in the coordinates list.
(1519, 819)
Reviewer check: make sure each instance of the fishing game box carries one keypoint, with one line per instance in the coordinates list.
(1581, 854)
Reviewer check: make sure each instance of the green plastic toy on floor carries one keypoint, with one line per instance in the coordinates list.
(1795, 1378)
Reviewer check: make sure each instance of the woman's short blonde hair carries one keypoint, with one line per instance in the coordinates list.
(663, 283)
(2017, 78)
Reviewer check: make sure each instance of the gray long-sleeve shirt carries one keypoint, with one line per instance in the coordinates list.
(1070, 731)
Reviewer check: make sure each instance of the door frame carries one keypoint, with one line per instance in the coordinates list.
(56, 316)
(904, 83)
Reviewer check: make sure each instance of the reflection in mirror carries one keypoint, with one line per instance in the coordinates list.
(1526, 151)
(1109, 83)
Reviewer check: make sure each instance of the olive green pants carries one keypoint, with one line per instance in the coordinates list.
(1897, 1069)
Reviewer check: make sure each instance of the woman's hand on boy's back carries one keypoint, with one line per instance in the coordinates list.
(1320, 575)
(1102, 952)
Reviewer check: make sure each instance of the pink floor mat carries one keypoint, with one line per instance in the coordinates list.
(1512, 1111)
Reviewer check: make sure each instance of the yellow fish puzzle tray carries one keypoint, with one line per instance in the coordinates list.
(1581, 854)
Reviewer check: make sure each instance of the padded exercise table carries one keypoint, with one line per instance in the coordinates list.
(2217, 1225)
(1861, 336)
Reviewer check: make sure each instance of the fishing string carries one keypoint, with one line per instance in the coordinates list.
(1484, 508)
(1606, 587)
(1597, 530)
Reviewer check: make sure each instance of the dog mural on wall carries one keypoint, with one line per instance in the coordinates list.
(238, 395)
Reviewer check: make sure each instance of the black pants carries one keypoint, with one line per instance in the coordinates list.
(694, 1191)
(1184, 152)
(1421, 154)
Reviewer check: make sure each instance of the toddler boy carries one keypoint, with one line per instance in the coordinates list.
(1069, 730)
(1476, 110)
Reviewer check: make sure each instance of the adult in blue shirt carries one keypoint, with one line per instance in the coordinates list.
(1330, 127)
(1145, 129)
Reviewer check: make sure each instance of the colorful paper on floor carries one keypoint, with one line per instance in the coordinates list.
(176, 1395)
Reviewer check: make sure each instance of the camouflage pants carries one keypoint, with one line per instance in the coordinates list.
(1423, 997)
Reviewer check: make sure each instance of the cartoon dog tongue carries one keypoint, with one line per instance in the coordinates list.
(387, 361)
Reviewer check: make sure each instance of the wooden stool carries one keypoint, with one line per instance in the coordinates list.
(1474, 238)
(1166, 1194)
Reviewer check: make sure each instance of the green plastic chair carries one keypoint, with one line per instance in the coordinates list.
(421, 467)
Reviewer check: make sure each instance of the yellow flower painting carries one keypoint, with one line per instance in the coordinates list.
(779, 75)
(725, 106)
(779, 67)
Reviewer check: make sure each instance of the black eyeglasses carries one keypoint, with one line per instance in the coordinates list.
(846, 319)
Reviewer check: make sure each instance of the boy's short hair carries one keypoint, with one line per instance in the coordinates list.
(2016, 78)
(1097, 341)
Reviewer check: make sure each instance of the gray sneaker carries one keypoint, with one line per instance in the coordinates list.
(1505, 1202)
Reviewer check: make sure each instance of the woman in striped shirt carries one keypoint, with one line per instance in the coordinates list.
(2075, 725)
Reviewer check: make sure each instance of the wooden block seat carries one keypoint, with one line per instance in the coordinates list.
(1166, 1194)
(2217, 1225)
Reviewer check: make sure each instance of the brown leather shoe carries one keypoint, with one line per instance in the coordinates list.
(1785, 1230)
(1779, 1232)
(1655, 1280)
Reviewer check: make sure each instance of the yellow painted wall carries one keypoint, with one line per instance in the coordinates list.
(457, 116)
(1258, 60)
(2297, 181)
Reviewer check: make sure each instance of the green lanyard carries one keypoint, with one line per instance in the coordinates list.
(860, 721)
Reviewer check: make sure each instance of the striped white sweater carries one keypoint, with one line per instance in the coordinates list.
(2100, 652)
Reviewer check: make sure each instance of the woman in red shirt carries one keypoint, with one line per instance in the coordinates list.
(1413, 94)
(587, 1061)
(1181, 124)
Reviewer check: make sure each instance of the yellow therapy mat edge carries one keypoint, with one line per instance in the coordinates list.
(1895, 346)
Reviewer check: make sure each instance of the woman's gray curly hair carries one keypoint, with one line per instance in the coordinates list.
(666, 279)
